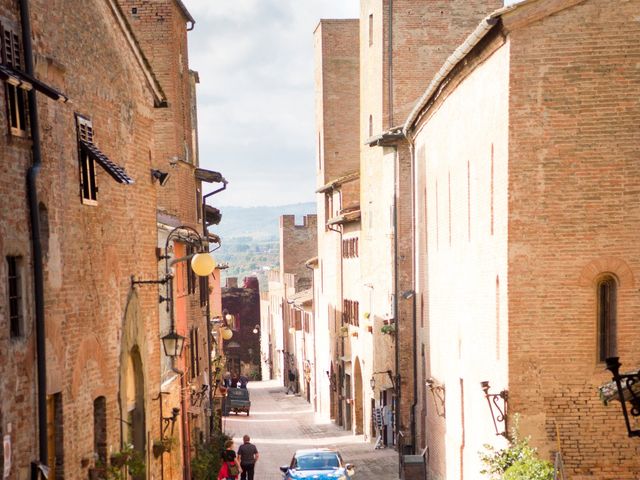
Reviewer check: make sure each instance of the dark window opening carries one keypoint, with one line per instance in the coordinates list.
(100, 430)
(14, 281)
(607, 303)
(55, 437)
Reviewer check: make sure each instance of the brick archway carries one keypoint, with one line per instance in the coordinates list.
(595, 268)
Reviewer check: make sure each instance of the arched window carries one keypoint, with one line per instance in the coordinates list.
(607, 306)
(100, 429)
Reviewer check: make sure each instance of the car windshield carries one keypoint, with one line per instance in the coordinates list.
(317, 461)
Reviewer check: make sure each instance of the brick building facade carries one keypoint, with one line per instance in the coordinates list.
(337, 91)
(521, 228)
(97, 207)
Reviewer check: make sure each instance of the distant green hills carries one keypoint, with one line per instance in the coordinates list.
(250, 238)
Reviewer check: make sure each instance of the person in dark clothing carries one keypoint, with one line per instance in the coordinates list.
(291, 385)
(248, 455)
(243, 381)
(234, 381)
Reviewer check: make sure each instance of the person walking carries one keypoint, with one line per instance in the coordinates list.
(230, 469)
(291, 383)
(248, 455)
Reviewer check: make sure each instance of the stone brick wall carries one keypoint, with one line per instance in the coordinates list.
(574, 202)
(462, 269)
(298, 243)
(90, 251)
(336, 85)
(160, 27)
(561, 85)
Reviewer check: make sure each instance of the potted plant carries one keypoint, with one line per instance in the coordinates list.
(344, 330)
(125, 462)
(163, 445)
(388, 329)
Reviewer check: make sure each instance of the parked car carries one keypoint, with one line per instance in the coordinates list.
(317, 464)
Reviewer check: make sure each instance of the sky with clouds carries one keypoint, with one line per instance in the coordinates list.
(256, 97)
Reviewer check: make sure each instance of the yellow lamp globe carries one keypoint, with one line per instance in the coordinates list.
(203, 264)
(227, 333)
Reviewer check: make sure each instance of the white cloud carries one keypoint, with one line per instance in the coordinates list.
(255, 99)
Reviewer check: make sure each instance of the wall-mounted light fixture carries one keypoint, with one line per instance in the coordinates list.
(389, 373)
(202, 263)
(175, 411)
(438, 393)
(627, 392)
(198, 395)
(227, 333)
(256, 329)
(159, 176)
(498, 412)
(173, 343)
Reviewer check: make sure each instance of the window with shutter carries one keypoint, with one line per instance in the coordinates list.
(16, 97)
(88, 185)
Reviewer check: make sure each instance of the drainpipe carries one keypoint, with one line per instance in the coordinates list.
(205, 234)
(390, 64)
(38, 277)
(414, 295)
(341, 369)
(313, 318)
(398, 377)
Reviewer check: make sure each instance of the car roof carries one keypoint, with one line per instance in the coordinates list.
(308, 451)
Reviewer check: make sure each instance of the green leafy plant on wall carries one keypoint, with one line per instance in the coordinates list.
(518, 461)
(388, 329)
(125, 464)
(163, 445)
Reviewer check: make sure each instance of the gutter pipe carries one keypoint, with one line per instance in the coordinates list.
(38, 276)
(341, 369)
(205, 235)
(313, 316)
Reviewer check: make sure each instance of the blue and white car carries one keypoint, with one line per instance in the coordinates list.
(317, 464)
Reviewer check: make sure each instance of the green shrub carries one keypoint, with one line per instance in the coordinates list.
(518, 461)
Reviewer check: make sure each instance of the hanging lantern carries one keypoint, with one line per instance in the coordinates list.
(203, 264)
(227, 333)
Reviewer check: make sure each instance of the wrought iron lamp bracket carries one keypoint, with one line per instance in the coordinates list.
(438, 393)
(175, 411)
(197, 396)
(626, 382)
(498, 403)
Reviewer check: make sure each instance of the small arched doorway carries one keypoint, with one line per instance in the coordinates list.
(357, 398)
(134, 406)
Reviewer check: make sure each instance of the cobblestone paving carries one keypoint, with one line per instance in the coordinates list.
(279, 424)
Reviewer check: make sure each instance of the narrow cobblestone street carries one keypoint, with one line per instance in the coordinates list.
(279, 424)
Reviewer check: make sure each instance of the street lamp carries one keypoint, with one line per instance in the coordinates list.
(173, 344)
(630, 381)
(227, 333)
(202, 263)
